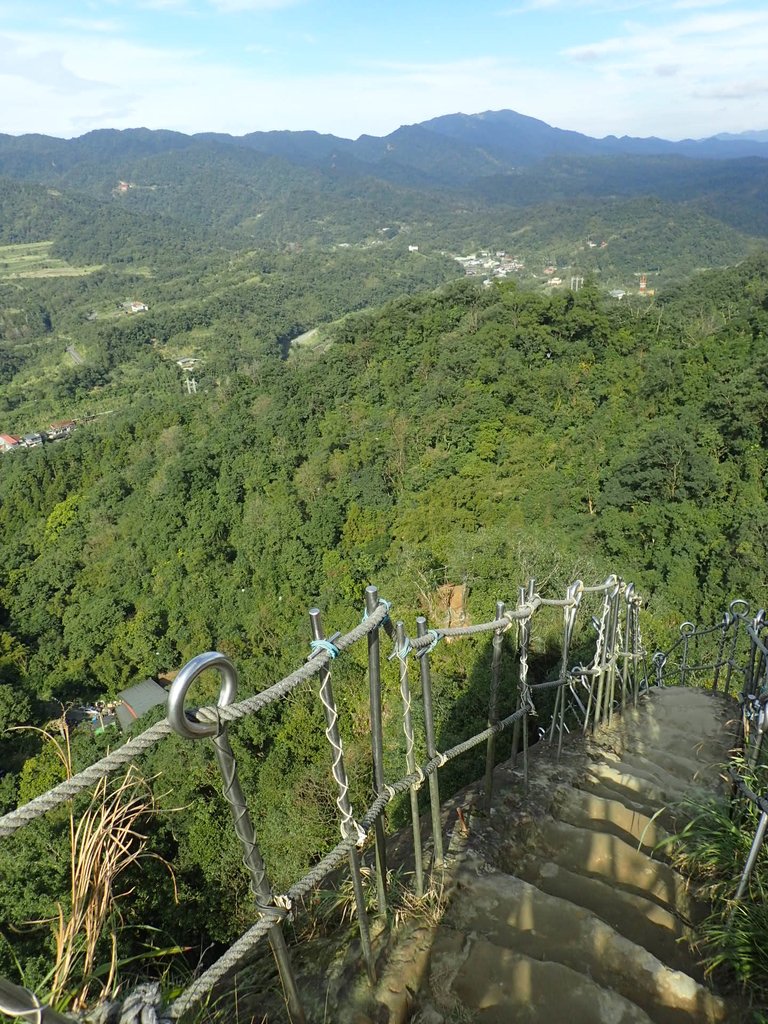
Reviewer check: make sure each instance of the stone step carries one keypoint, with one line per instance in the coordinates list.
(561, 907)
(590, 784)
(702, 755)
(588, 810)
(606, 857)
(610, 789)
(638, 919)
(644, 789)
(516, 915)
(472, 979)
(639, 796)
(684, 721)
(687, 775)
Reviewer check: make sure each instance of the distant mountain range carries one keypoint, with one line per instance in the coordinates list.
(448, 151)
(493, 180)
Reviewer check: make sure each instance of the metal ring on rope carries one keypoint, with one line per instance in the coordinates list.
(177, 715)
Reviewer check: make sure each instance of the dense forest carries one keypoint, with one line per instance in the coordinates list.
(467, 434)
(284, 388)
(489, 182)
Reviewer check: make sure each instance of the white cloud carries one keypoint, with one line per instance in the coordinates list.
(687, 5)
(181, 6)
(42, 67)
(736, 90)
(232, 6)
(708, 54)
(92, 25)
(691, 70)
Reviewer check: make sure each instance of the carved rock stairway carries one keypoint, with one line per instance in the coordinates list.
(559, 909)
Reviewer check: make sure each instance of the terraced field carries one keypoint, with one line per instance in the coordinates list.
(33, 259)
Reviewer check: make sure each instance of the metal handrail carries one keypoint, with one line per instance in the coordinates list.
(586, 694)
(736, 629)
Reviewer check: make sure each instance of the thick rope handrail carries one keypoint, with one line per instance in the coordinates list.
(243, 946)
(12, 821)
(513, 615)
(64, 791)
(354, 832)
(602, 588)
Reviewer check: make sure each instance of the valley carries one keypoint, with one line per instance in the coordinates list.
(413, 365)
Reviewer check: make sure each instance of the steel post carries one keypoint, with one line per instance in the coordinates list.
(757, 842)
(720, 650)
(343, 801)
(429, 729)
(612, 633)
(377, 745)
(410, 757)
(525, 637)
(493, 707)
(233, 794)
(732, 653)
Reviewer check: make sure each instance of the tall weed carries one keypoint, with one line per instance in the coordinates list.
(712, 850)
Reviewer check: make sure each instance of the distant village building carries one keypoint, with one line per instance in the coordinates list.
(413, 248)
(32, 440)
(8, 442)
(138, 307)
(59, 429)
(137, 701)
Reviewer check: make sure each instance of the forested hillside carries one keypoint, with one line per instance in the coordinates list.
(472, 434)
(279, 386)
(458, 184)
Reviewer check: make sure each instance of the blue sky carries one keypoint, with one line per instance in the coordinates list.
(680, 68)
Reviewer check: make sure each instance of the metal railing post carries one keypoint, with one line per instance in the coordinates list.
(410, 757)
(684, 658)
(233, 794)
(493, 708)
(600, 666)
(629, 652)
(570, 609)
(525, 696)
(636, 674)
(749, 673)
(429, 729)
(611, 654)
(736, 619)
(518, 726)
(348, 825)
(720, 649)
(377, 745)
(757, 842)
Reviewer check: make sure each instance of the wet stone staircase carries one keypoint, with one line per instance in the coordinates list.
(560, 906)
